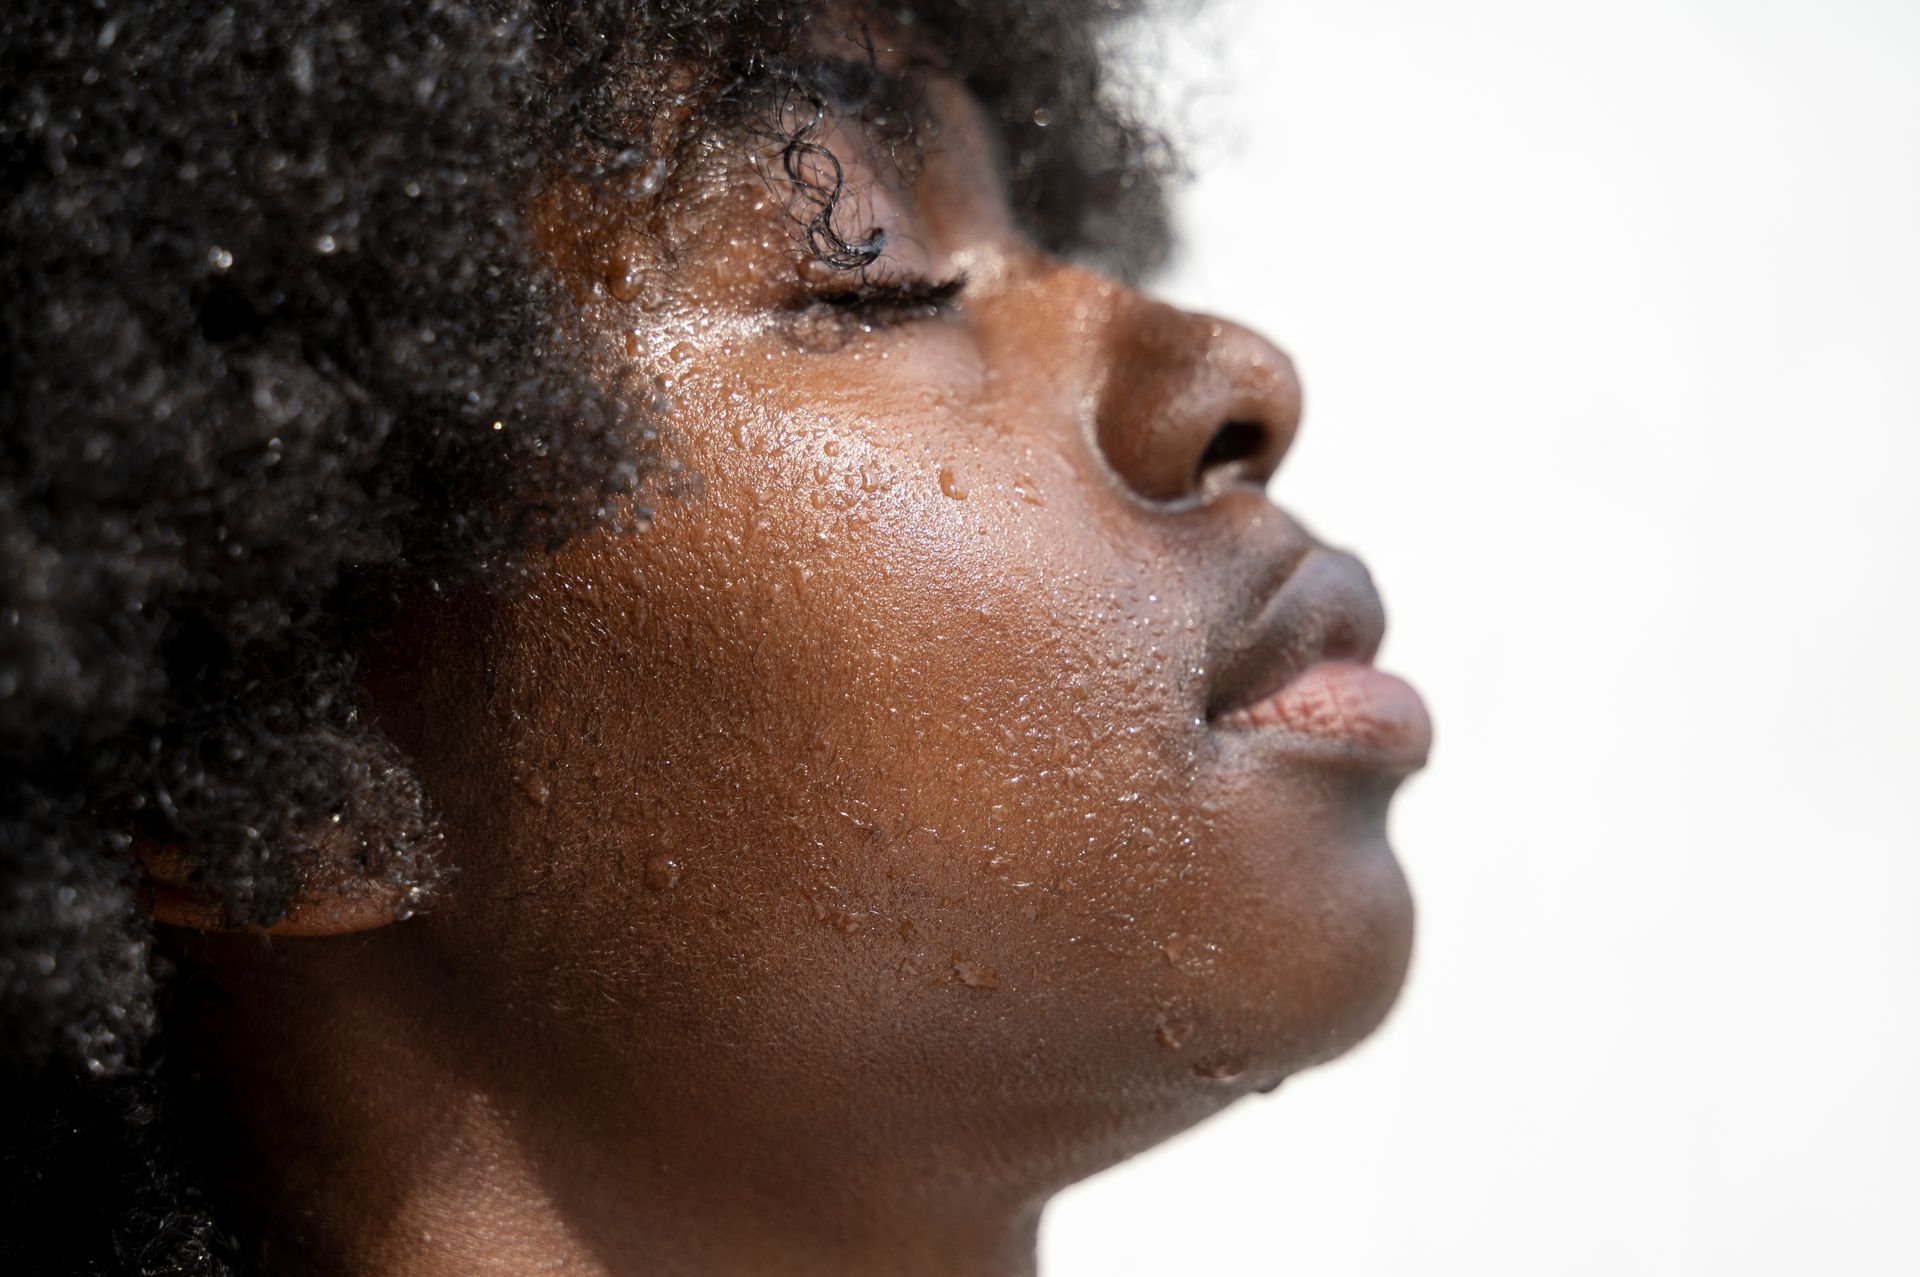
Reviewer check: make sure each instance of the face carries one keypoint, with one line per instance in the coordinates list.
(968, 752)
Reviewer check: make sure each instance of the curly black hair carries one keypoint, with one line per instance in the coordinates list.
(279, 344)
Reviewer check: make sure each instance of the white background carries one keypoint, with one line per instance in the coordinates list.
(1609, 317)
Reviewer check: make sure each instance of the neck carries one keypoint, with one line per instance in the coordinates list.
(370, 1143)
(476, 1199)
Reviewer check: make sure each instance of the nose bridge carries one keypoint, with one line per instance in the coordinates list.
(1192, 403)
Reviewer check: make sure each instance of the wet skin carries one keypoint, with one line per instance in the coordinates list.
(871, 846)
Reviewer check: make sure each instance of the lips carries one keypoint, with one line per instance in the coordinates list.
(1301, 674)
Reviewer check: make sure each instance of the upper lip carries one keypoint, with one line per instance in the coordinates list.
(1325, 609)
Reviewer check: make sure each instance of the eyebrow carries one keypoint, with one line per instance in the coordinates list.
(857, 85)
(850, 81)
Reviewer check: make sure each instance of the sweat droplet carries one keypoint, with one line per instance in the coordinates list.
(951, 484)
(1027, 491)
(623, 280)
(975, 975)
(1174, 1032)
(1176, 949)
(663, 873)
(1221, 1068)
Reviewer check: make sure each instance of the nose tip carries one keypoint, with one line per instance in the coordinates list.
(1195, 404)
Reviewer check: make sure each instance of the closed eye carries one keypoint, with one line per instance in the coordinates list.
(877, 303)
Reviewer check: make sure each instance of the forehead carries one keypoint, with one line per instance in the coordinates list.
(1084, 176)
(841, 146)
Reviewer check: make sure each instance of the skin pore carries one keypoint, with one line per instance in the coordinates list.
(857, 855)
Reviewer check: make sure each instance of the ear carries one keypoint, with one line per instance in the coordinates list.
(328, 905)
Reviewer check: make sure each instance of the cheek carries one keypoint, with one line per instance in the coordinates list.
(871, 684)
(923, 634)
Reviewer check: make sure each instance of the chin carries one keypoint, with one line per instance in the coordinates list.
(1316, 974)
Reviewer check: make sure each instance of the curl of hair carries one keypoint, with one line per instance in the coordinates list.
(278, 345)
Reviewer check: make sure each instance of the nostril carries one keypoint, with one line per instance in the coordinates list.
(1233, 443)
(1189, 407)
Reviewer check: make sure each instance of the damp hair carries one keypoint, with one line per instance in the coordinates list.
(279, 348)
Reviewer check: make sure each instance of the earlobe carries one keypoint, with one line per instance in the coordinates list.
(322, 908)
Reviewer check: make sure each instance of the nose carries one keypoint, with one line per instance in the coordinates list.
(1193, 404)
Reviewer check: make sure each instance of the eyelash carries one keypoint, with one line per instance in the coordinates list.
(882, 303)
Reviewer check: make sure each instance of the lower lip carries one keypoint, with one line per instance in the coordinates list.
(1343, 711)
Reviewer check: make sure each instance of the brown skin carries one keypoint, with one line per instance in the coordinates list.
(849, 861)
